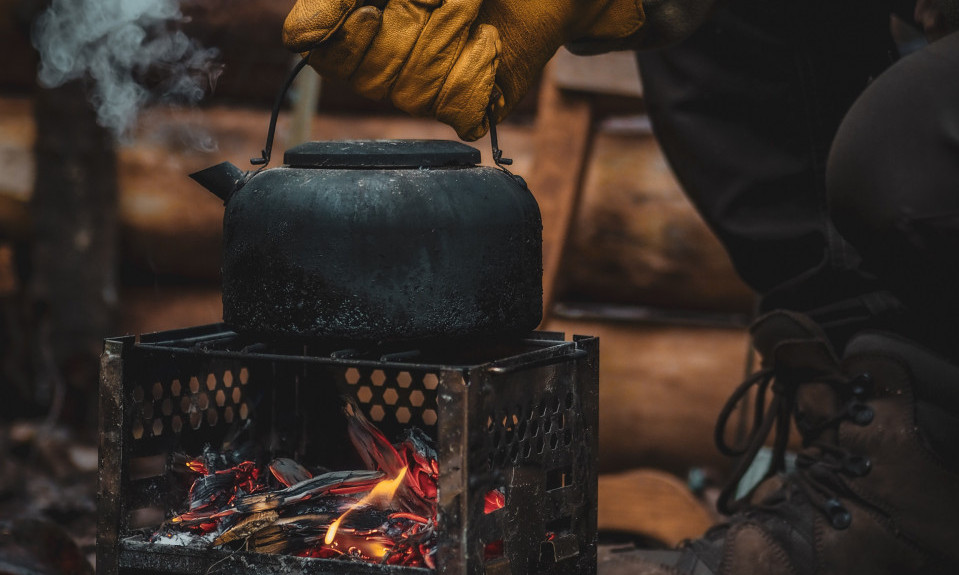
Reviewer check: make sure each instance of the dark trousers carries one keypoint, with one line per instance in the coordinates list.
(893, 187)
(746, 111)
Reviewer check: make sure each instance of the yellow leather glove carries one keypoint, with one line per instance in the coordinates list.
(449, 58)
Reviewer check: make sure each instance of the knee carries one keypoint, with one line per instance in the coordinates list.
(866, 184)
(863, 205)
(894, 164)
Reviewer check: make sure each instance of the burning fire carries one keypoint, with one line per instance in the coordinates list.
(381, 495)
(384, 514)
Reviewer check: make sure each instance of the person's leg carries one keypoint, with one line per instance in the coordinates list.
(874, 491)
(893, 183)
(745, 111)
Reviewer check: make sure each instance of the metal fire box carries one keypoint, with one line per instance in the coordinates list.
(516, 415)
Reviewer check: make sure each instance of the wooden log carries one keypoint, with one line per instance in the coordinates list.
(637, 240)
(610, 73)
(562, 140)
(17, 137)
(653, 504)
(661, 388)
(163, 307)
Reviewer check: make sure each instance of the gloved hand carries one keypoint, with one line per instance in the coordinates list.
(450, 58)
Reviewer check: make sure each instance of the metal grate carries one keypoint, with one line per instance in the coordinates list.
(518, 416)
(398, 397)
(524, 432)
(166, 406)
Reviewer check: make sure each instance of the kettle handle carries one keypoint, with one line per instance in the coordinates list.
(264, 158)
(267, 152)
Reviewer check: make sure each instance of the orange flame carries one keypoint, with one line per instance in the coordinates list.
(372, 546)
(381, 494)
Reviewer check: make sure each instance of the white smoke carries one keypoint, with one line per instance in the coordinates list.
(131, 51)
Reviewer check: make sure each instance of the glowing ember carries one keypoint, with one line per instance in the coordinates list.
(385, 514)
(494, 500)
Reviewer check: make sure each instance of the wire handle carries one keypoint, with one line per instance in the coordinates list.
(498, 158)
(264, 158)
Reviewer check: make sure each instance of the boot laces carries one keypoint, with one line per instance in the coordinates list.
(822, 463)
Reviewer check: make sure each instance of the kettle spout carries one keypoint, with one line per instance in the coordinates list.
(222, 179)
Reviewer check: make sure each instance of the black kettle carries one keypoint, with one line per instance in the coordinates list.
(378, 241)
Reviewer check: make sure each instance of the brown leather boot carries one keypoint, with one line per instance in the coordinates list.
(877, 486)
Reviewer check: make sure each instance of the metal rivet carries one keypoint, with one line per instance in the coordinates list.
(865, 416)
(857, 465)
(839, 516)
(861, 413)
(862, 384)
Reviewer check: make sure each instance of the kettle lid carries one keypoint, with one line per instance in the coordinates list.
(381, 154)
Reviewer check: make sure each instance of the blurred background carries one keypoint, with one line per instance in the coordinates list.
(102, 234)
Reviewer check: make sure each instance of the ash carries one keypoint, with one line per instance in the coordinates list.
(184, 539)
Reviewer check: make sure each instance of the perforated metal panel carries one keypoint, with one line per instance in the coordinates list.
(207, 399)
(397, 397)
(523, 432)
(519, 417)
